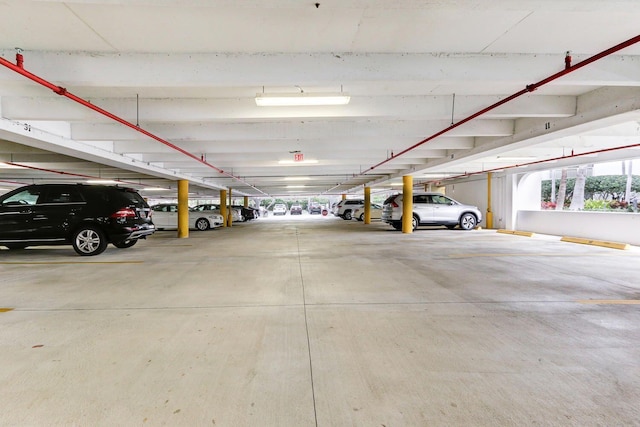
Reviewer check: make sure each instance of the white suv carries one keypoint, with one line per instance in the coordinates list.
(431, 209)
(345, 208)
(280, 209)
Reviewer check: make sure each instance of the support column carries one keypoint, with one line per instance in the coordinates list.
(344, 197)
(183, 209)
(246, 201)
(489, 216)
(229, 218)
(367, 205)
(407, 204)
(223, 207)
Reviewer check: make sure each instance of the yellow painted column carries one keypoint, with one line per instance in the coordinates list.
(344, 197)
(229, 218)
(183, 209)
(223, 207)
(246, 201)
(407, 204)
(367, 205)
(489, 213)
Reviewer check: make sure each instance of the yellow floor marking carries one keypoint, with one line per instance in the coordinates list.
(67, 262)
(497, 254)
(517, 233)
(610, 301)
(5, 309)
(612, 245)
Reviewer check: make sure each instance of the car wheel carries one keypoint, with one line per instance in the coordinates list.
(125, 244)
(15, 246)
(414, 222)
(468, 221)
(347, 215)
(89, 240)
(202, 224)
(397, 225)
(361, 217)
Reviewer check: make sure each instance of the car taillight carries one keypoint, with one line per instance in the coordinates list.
(394, 204)
(124, 213)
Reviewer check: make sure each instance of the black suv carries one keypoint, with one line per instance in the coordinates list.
(86, 216)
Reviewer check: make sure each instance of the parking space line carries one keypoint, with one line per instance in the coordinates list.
(610, 301)
(66, 262)
(550, 254)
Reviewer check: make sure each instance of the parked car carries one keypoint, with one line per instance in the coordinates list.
(295, 210)
(376, 212)
(88, 217)
(315, 209)
(431, 209)
(247, 212)
(280, 209)
(236, 213)
(165, 217)
(345, 208)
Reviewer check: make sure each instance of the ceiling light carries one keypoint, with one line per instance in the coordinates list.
(155, 189)
(293, 162)
(297, 178)
(296, 186)
(301, 99)
(101, 181)
(6, 165)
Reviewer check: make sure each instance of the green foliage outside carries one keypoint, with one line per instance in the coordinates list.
(605, 192)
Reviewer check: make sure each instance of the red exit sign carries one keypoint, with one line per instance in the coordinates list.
(298, 157)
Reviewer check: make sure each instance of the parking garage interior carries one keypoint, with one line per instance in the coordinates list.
(531, 318)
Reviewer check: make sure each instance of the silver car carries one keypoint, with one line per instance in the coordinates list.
(432, 209)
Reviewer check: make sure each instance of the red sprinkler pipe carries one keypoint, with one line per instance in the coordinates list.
(536, 162)
(65, 173)
(529, 88)
(19, 68)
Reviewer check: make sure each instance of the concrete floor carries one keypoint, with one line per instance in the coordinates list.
(316, 321)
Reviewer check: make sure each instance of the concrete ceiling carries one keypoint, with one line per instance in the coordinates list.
(187, 72)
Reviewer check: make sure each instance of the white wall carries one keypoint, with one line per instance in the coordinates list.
(610, 227)
(515, 202)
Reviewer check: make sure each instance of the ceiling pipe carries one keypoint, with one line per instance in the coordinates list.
(77, 175)
(529, 88)
(18, 67)
(536, 162)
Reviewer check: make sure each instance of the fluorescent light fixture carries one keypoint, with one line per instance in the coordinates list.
(101, 181)
(155, 189)
(293, 162)
(296, 186)
(301, 99)
(297, 178)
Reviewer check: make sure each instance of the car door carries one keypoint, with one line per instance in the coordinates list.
(16, 214)
(423, 207)
(445, 210)
(57, 211)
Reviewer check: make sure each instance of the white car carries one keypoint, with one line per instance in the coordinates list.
(358, 213)
(165, 217)
(280, 209)
(236, 214)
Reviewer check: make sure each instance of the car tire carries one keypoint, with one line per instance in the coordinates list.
(468, 221)
(202, 224)
(397, 225)
(361, 217)
(126, 244)
(15, 246)
(414, 223)
(346, 215)
(89, 240)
